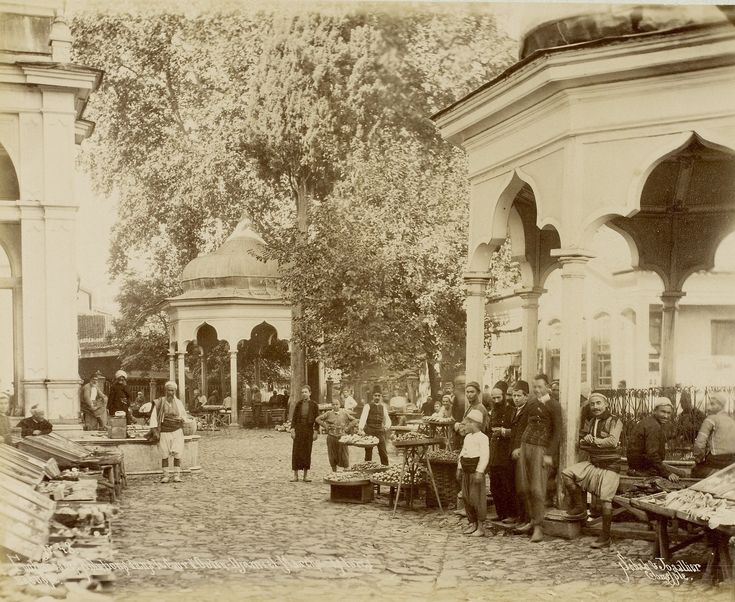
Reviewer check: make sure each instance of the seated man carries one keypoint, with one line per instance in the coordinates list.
(600, 439)
(714, 447)
(35, 424)
(647, 444)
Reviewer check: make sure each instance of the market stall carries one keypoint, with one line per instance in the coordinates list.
(46, 513)
(709, 506)
(414, 447)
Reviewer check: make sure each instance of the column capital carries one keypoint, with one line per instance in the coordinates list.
(670, 299)
(233, 352)
(530, 294)
(181, 354)
(476, 283)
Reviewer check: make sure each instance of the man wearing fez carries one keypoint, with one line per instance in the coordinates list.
(375, 421)
(35, 424)
(599, 475)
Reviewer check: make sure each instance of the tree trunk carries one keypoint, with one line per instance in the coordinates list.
(298, 356)
(434, 380)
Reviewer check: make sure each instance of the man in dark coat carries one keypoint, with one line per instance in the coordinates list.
(502, 475)
(647, 444)
(518, 423)
(304, 431)
(120, 397)
(35, 424)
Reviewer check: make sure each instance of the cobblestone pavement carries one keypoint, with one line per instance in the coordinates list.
(242, 506)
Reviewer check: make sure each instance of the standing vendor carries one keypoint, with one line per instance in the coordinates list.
(304, 431)
(647, 444)
(168, 417)
(35, 424)
(94, 405)
(714, 447)
(375, 421)
(600, 439)
(337, 422)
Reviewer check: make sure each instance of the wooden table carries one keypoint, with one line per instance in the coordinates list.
(414, 455)
(721, 541)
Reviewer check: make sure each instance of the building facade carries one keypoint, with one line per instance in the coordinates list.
(42, 100)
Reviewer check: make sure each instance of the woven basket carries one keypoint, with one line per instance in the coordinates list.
(446, 484)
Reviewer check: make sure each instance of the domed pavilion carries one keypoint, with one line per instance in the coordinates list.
(229, 295)
(616, 116)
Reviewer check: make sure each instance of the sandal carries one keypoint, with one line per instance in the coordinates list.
(296, 480)
(307, 480)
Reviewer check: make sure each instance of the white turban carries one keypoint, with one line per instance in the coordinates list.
(662, 401)
(171, 384)
(719, 399)
(120, 373)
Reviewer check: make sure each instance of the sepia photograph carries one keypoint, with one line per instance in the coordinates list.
(351, 300)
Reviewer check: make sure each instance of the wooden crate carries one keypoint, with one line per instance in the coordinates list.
(351, 492)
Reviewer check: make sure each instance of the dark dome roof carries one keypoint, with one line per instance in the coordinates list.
(234, 264)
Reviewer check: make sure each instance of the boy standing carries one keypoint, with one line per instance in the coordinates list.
(336, 422)
(473, 460)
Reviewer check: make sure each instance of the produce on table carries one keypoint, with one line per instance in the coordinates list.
(438, 420)
(443, 455)
(699, 505)
(359, 440)
(363, 466)
(410, 436)
(721, 484)
(393, 474)
(283, 428)
(341, 477)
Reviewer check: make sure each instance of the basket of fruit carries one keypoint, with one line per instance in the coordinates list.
(359, 440)
(438, 420)
(392, 475)
(444, 468)
(368, 467)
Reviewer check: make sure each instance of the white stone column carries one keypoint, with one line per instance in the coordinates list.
(233, 386)
(476, 283)
(529, 305)
(172, 366)
(670, 300)
(181, 355)
(570, 381)
(202, 371)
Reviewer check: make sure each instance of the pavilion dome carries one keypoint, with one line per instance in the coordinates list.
(554, 25)
(234, 265)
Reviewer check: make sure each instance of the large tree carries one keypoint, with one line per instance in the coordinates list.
(203, 119)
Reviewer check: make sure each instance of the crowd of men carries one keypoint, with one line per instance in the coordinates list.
(512, 434)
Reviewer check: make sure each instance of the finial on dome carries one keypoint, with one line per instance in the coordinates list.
(244, 229)
(60, 38)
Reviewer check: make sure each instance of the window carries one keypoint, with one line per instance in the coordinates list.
(601, 353)
(723, 337)
(655, 316)
(553, 350)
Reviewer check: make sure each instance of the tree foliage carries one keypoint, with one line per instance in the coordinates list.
(203, 119)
